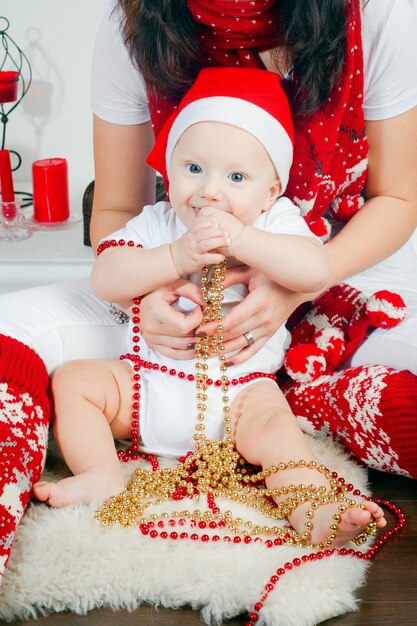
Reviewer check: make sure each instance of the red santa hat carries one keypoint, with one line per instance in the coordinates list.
(249, 98)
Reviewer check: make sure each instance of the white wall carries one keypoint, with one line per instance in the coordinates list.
(54, 118)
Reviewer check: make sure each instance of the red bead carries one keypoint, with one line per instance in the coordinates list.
(274, 579)
(247, 539)
(194, 537)
(253, 617)
(296, 562)
(172, 372)
(237, 539)
(280, 571)
(216, 538)
(202, 524)
(181, 374)
(164, 534)
(184, 536)
(173, 535)
(288, 565)
(153, 534)
(205, 538)
(258, 606)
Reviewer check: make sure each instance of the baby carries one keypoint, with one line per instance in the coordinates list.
(226, 153)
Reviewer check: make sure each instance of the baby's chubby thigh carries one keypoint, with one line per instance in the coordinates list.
(90, 388)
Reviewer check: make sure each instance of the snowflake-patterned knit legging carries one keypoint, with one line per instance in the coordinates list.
(371, 410)
(24, 418)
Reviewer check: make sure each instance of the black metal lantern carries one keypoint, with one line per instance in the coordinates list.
(15, 80)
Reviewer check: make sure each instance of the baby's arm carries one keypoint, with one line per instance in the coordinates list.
(122, 273)
(298, 263)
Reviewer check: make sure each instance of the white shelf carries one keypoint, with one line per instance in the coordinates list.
(48, 256)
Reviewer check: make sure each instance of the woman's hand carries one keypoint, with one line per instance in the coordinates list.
(266, 307)
(166, 330)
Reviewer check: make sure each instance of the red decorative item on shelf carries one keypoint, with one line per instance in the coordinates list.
(8, 86)
(6, 178)
(50, 190)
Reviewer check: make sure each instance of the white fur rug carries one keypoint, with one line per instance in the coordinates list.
(63, 559)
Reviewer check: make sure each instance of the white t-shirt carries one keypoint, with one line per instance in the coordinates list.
(389, 34)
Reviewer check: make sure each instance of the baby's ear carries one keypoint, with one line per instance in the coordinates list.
(273, 194)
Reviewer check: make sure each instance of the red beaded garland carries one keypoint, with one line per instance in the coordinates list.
(148, 529)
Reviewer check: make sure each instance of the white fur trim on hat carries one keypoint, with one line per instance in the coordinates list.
(245, 115)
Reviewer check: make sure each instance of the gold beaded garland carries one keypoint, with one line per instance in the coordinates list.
(217, 469)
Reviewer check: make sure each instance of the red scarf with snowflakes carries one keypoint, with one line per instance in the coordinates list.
(330, 152)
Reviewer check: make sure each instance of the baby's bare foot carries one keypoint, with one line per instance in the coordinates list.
(93, 486)
(347, 521)
(353, 521)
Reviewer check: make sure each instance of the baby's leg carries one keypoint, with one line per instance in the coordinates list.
(91, 403)
(265, 433)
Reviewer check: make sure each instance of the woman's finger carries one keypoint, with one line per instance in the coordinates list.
(244, 354)
(174, 354)
(176, 343)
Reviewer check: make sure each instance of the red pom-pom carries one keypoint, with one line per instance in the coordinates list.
(385, 309)
(305, 362)
(332, 342)
(321, 228)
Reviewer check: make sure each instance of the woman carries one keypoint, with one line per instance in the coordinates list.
(373, 102)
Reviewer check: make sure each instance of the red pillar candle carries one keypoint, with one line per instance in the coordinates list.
(50, 190)
(6, 178)
(8, 86)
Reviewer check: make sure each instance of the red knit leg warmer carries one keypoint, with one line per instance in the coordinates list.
(371, 410)
(24, 418)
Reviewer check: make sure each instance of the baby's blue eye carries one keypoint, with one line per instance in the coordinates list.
(236, 177)
(194, 168)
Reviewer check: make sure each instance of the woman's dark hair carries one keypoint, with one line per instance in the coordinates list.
(163, 41)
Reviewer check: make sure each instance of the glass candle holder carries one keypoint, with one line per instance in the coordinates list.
(12, 222)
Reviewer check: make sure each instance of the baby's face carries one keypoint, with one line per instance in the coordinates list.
(221, 166)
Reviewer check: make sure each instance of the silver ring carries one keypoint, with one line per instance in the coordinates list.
(249, 338)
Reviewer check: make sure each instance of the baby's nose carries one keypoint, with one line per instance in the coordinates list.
(211, 190)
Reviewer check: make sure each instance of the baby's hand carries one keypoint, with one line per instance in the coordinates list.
(228, 223)
(199, 246)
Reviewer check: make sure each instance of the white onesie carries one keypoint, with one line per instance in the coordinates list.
(168, 404)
